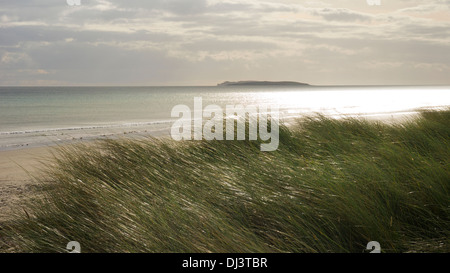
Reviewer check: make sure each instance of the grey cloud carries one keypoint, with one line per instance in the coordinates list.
(174, 6)
(86, 64)
(33, 10)
(182, 41)
(13, 36)
(340, 14)
(431, 32)
(221, 45)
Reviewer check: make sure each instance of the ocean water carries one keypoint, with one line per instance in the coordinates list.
(36, 116)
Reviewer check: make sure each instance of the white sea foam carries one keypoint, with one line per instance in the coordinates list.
(124, 125)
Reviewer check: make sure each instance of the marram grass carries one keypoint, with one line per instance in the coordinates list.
(332, 186)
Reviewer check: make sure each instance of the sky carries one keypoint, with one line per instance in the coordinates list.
(205, 42)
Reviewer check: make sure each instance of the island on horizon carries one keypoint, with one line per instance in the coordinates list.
(259, 83)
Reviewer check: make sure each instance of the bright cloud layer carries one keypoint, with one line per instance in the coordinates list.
(201, 42)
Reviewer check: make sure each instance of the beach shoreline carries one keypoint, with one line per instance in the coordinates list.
(17, 166)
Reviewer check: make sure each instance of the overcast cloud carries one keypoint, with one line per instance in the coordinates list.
(203, 42)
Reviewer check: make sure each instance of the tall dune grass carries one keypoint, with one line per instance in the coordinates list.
(332, 186)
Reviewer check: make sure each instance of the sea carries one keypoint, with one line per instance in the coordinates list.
(42, 116)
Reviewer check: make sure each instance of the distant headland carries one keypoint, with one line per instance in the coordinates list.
(261, 83)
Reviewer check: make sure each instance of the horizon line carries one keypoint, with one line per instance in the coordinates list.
(306, 86)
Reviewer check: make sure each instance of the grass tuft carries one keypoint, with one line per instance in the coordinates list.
(332, 186)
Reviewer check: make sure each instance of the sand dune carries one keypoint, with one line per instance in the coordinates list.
(16, 183)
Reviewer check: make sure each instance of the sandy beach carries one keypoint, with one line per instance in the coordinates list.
(16, 182)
